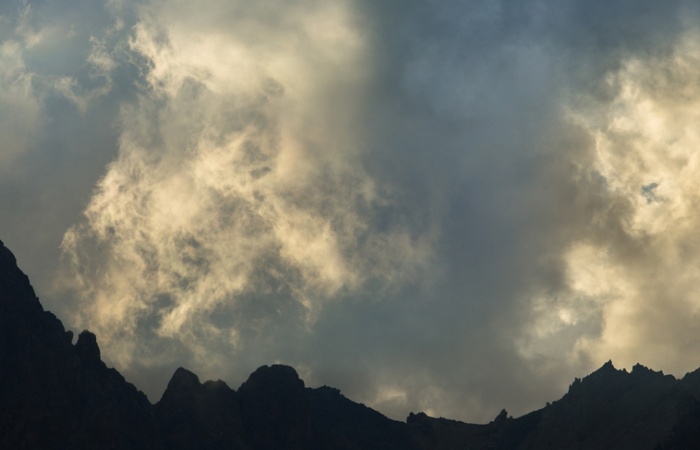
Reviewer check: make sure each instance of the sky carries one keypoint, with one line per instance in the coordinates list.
(452, 207)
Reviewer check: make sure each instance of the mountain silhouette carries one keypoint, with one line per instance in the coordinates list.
(58, 395)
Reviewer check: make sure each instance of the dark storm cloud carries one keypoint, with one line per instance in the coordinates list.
(430, 205)
(478, 138)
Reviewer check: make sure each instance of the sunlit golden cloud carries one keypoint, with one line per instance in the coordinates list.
(234, 177)
(636, 279)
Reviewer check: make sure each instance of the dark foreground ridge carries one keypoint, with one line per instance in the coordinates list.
(58, 395)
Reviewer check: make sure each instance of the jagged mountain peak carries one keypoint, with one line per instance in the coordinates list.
(184, 379)
(692, 377)
(608, 368)
(276, 374)
(87, 349)
(640, 371)
(15, 288)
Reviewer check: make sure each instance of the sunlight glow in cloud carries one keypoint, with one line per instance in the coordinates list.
(234, 178)
(638, 269)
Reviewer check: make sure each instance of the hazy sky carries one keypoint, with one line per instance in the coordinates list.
(442, 206)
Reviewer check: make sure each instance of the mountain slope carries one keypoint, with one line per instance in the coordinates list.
(52, 391)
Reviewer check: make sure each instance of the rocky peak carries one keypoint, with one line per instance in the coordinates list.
(87, 349)
(416, 417)
(501, 418)
(275, 408)
(15, 289)
(183, 379)
(277, 377)
(608, 367)
(640, 371)
(692, 378)
(606, 375)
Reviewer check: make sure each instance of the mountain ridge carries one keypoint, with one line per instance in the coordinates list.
(56, 394)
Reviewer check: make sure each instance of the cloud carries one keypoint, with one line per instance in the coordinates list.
(625, 292)
(646, 134)
(238, 198)
(453, 207)
(53, 151)
(21, 110)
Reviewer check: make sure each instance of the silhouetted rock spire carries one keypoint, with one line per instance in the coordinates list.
(87, 349)
(275, 409)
